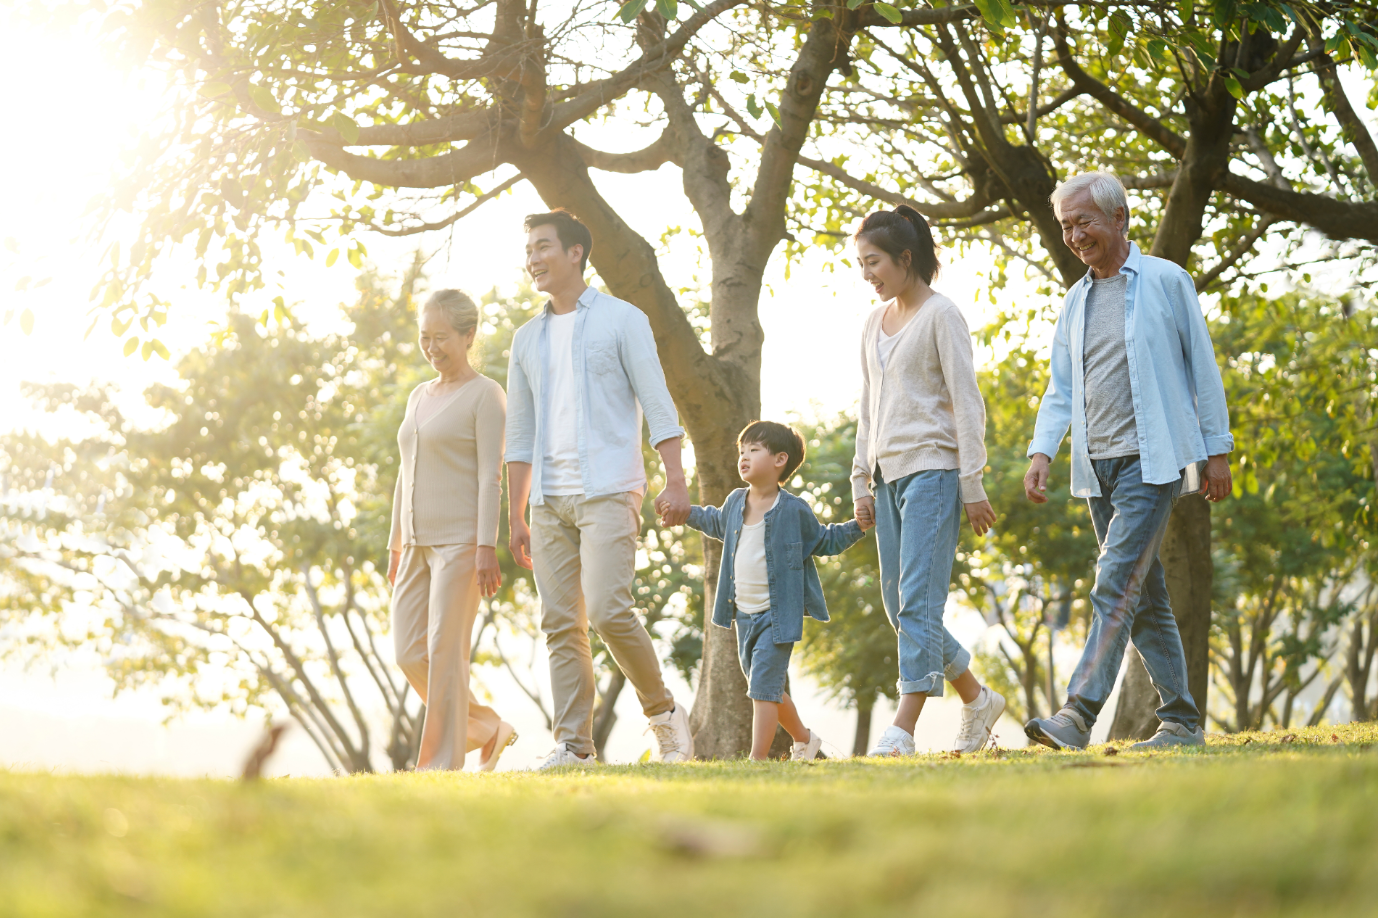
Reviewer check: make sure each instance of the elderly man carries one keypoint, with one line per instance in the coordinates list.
(1134, 375)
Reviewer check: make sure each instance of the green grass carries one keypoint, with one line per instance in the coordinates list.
(1249, 825)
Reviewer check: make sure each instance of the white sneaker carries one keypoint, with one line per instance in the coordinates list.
(674, 742)
(563, 755)
(806, 752)
(894, 741)
(977, 720)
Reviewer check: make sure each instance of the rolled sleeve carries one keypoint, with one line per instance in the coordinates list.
(521, 409)
(642, 363)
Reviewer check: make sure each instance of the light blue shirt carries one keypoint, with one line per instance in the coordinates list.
(1179, 400)
(617, 376)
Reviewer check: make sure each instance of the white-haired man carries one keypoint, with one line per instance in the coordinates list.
(1134, 376)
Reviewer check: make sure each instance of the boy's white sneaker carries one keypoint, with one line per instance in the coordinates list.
(806, 752)
(894, 741)
(563, 755)
(674, 742)
(977, 720)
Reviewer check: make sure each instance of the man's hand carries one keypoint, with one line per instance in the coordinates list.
(981, 515)
(489, 573)
(394, 561)
(520, 543)
(1217, 484)
(1036, 479)
(672, 504)
(865, 511)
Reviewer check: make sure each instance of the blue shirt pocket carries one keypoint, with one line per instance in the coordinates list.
(794, 555)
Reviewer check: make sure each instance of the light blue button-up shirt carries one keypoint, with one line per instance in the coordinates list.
(1179, 399)
(617, 376)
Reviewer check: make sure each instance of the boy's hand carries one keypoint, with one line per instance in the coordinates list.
(865, 510)
(981, 516)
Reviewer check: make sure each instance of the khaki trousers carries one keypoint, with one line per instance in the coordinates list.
(434, 604)
(583, 551)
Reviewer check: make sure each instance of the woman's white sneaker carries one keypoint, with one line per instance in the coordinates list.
(977, 720)
(894, 741)
(806, 752)
(674, 741)
(562, 756)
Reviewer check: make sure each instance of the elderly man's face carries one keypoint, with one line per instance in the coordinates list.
(1096, 239)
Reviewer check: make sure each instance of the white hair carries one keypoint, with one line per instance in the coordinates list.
(1106, 191)
(457, 308)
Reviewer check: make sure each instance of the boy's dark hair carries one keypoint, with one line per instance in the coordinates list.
(567, 228)
(778, 438)
(902, 230)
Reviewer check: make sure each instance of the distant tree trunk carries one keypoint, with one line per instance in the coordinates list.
(605, 717)
(721, 718)
(1186, 558)
(862, 741)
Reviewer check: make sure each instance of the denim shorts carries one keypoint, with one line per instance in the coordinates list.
(764, 663)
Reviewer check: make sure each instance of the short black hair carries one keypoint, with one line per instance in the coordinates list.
(778, 438)
(568, 229)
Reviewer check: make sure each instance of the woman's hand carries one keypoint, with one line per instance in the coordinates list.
(394, 562)
(489, 574)
(981, 516)
(865, 511)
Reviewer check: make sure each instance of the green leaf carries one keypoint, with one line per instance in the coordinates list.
(131, 345)
(889, 12)
(212, 89)
(1233, 86)
(26, 321)
(331, 258)
(631, 9)
(775, 113)
(160, 349)
(1120, 24)
(356, 258)
(668, 8)
(992, 14)
(146, 351)
(263, 98)
(853, 4)
(347, 127)
(739, 77)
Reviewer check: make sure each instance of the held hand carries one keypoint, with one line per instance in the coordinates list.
(1036, 479)
(1217, 483)
(865, 511)
(672, 504)
(394, 561)
(489, 573)
(520, 543)
(981, 516)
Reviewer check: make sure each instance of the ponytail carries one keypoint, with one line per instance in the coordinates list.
(902, 230)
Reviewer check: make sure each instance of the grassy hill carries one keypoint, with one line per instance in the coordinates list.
(1255, 824)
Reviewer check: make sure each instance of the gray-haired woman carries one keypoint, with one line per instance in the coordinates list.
(444, 533)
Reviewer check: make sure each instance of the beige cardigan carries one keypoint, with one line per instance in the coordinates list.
(925, 410)
(450, 482)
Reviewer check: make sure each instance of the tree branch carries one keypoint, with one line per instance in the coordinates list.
(937, 211)
(476, 157)
(647, 159)
(1336, 219)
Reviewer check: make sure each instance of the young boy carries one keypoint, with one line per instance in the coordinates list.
(767, 575)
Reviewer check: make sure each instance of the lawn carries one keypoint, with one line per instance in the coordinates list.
(1258, 824)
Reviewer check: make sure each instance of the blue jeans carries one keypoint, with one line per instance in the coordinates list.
(764, 663)
(1129, 600)
(918, 520)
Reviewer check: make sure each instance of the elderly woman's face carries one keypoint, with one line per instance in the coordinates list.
(445, 349)
(1096, 239)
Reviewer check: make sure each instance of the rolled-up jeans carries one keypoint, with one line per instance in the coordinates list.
(918, 521)
(1129, 600)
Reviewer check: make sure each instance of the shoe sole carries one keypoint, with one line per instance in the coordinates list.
(1034, 732)
(499, 747)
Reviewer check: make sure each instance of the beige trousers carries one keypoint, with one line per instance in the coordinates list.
(583, 551)
(434, 604)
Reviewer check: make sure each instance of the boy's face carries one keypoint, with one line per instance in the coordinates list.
(758, 465)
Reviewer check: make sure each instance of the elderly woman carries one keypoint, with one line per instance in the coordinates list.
(444, 529)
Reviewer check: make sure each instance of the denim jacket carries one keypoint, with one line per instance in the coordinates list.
(793, 536)
(1179, 400)
(617, 376)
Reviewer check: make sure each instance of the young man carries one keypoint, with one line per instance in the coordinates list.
(1134, 377)
(582, 373)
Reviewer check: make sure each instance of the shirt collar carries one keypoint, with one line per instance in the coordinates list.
(1130, 266)
(586, 299)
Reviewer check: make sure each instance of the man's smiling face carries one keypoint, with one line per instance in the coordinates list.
(1096, 239)
(550, 265)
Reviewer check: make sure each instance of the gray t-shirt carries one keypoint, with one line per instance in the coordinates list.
(1110, 428)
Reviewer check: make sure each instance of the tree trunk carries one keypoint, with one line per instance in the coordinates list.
(862, 741)
(721, 718)
(1186, 558)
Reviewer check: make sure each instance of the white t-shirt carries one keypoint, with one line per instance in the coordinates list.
(749, 567)
(884, 345)
(560, 470)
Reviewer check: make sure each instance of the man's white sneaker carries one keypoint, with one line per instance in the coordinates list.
(674, 742)
(894, 741)
(806, 752)
(562, 755)
(977, 720)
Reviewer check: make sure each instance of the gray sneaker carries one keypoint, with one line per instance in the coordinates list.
(1170, 735)
(1064, 730)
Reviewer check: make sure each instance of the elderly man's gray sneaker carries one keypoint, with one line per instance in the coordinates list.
(1169, 736)
(1064, 730)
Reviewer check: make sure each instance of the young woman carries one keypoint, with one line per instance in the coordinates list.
(920, 453)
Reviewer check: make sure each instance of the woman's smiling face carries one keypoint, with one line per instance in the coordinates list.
(885, 276)
(445, 349)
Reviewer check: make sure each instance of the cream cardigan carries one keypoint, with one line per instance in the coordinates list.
(450, 482)
(924, 411)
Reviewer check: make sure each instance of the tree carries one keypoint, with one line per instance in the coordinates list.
(271, 98)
